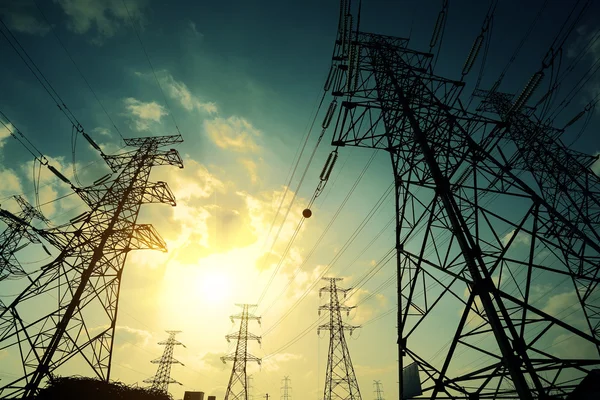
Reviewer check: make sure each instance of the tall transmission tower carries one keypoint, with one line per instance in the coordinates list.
(286, 389)
(237, 389)
(250, 387)
(69, 311)
(489, 213)
(340, 380)
(161, 380)
(11, 238)
(378, 390)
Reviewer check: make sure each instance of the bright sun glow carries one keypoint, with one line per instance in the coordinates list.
(216, 288)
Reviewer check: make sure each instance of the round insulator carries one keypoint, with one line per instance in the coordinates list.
(306, 213)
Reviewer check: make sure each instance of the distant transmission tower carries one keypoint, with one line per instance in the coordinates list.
(286, 389)
(340, 380)
(69, 310)
(238, 382)
(161, 380)
(250, 387)
(493, 217)
(378, 390)
(11, 238)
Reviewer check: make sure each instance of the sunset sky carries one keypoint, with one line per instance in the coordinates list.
(242, 80)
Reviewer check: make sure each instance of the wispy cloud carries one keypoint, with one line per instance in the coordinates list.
(23, 17)
(179, 91)
(105, 17)
(5, 132)
(251, 167)
(144, 113)
(233, 133)
(522, 238)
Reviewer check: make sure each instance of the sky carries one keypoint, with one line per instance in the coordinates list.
(241, 81)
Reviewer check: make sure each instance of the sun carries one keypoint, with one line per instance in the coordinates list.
(215, 287)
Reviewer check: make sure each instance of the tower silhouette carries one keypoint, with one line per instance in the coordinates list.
(161, 380)
(237, 389)
(378, 390)
(340, 380)
(489, 203)
(85, 278)
(286, 388)
(17, 229)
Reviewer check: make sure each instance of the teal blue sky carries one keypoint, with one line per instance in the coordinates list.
(242, 80)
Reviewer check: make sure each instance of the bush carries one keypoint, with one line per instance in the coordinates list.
(80, 388)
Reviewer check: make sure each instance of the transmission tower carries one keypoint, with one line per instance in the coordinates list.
(161, 380)
(340, 380)
(11, 238)
(378, 390)
(69, 311)
(250, 387)
(238, 382)
(286, 388)
(486, 208)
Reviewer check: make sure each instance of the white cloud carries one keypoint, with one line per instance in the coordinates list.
(10, 183)
(252, 169)
(105, 17)
(596, 165)
(233, 133)
(522, 238)
(144, 113)
(5, 132)
(179, 90)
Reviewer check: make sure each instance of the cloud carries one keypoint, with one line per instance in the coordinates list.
(22, 17)
(596, 165)
(213, 360)
(11, 183)
(558, 304)
(192, 29)
(179, 90)
(272, 364)
(522, 238)
(252, 168)
(125, 335)
(5, 129)
(144, 113)
(233, 133)
(104, 17)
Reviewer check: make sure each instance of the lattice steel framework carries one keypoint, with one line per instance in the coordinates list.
(69, 311)
(237, 389)
(494, 218)
(340, 380)
(286, 389)
(378, 390)
(162, 379)
(11, 238)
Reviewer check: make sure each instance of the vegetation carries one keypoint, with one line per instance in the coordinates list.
(78, 388)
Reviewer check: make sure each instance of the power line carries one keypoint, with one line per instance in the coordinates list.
(77, 68)
(133, 24)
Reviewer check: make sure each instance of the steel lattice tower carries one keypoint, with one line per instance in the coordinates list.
(10, 239)
(161, 380)
(70, 309)
(238, 382)
(286, 395)
(340, 380)
(486, 209)
(378, 390)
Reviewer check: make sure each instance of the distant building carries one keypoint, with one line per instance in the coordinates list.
(195, 396)
(212, 397)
